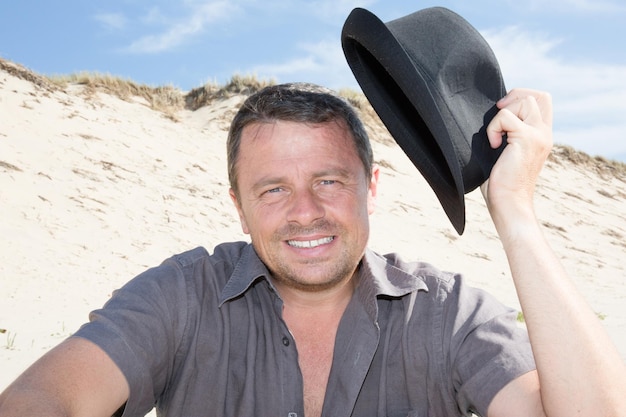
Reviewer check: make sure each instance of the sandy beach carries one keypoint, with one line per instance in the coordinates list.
(94, 189)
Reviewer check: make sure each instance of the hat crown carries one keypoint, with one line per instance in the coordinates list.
(434, 82)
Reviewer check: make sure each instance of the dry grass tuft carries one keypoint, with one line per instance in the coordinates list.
(355, 98)
(24, 73)
(375, 127)
(166, 99)
(238, 84)
(605, 168)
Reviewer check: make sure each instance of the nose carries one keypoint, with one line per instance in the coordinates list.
(305, 207)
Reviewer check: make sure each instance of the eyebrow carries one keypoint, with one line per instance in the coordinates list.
(264, 182)
(271, 180)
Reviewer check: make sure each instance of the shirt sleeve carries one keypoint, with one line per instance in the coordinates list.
(139, 328)
(488, 347)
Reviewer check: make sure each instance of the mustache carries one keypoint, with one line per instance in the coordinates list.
(321, 226)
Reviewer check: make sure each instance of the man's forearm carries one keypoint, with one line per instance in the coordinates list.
(18, 401)
(75, 378)
(580, 371)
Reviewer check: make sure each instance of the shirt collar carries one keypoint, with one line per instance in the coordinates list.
(248, 269)
(384, 276)
(378, 276)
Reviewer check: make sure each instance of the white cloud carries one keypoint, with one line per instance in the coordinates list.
(606, 140)
(155, 16)
(322, 62)
(179, 31)
(573, 6)
(332, 9)
(589, 97)
(111, 21)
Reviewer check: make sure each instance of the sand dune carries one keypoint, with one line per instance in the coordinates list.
(94, 189)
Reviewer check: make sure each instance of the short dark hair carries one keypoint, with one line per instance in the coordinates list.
(296, 102)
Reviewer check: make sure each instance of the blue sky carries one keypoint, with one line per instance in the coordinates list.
(571, 48)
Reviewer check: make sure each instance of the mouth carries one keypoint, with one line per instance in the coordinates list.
(307, 244)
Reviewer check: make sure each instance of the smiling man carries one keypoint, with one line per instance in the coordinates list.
(304, 196)
(308, 221)
(306, 321)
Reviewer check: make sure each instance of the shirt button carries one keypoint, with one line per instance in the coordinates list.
(286, 341)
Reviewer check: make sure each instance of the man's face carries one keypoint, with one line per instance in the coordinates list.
(305, 201)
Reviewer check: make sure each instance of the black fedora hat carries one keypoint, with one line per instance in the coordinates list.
(434, 81)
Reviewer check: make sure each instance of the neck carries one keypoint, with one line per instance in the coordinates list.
(317, 301)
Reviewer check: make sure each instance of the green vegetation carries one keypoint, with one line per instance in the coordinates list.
(520, 316)
(10, 344)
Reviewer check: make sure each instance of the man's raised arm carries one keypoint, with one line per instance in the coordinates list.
(580, 371)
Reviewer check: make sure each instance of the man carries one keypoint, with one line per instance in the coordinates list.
(306, 321)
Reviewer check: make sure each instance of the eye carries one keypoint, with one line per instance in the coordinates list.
(327, 182)
(273, 190)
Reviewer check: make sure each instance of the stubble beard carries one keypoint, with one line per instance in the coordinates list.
(312, 275)
(321, 279)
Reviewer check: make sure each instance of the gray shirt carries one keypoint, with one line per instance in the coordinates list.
(203, 335)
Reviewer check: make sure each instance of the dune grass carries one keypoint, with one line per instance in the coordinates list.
(606, 168)
(163, 98)
(170, 99)
(238, 84)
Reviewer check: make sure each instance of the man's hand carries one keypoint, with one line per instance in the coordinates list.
(525, 122)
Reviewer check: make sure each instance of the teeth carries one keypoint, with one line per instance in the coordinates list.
(310, 243)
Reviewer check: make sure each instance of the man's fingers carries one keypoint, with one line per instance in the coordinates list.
(523, 103)
(518, 108)
(505, 121)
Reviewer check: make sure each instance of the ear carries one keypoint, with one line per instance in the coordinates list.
(242, 219)
(373, 189)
